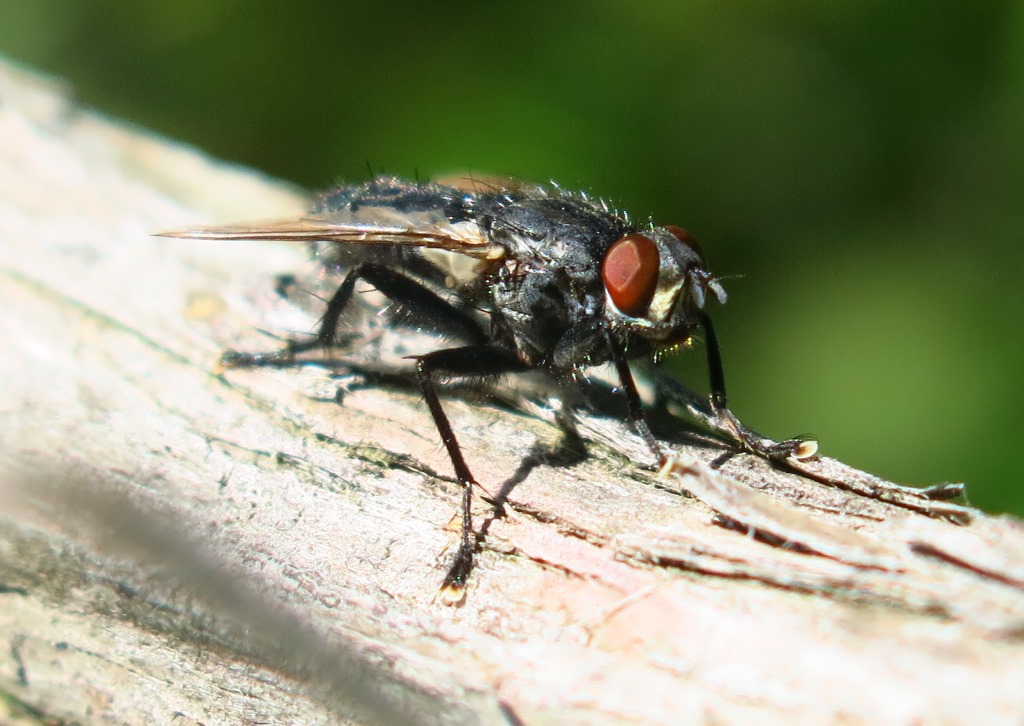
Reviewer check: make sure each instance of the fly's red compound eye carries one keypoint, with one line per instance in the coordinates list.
(687, 239)
(630, 273)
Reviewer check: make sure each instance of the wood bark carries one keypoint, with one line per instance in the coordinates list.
(189, 545)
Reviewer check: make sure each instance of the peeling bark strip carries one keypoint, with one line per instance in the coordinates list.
(182, 545)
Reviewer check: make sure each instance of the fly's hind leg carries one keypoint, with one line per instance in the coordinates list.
(427, 308)
(324, 337)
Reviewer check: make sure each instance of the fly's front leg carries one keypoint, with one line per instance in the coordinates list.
(724, 420)
(634, 406)
(468, 362)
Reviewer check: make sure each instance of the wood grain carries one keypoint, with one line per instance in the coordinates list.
(182, 544)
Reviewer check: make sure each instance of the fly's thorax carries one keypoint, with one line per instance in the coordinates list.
(656, 284)
(531, 305)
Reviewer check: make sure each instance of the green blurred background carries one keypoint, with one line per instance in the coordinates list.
(858, 168)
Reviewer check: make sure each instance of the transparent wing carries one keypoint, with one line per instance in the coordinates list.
(367, 226)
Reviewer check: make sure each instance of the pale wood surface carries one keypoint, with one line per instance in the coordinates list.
(177, 545)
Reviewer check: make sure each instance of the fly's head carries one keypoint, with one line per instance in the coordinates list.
(656, 285)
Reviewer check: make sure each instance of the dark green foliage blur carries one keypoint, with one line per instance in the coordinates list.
(856, 169)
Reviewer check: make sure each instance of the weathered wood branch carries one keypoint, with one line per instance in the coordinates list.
(180, 544)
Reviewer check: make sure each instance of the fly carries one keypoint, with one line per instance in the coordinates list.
(516, 277)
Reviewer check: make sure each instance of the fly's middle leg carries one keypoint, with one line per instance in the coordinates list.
(478, 361)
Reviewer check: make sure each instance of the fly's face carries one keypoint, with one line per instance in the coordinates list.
(656, 284)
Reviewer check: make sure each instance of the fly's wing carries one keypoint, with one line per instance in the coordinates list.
(369, 225)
